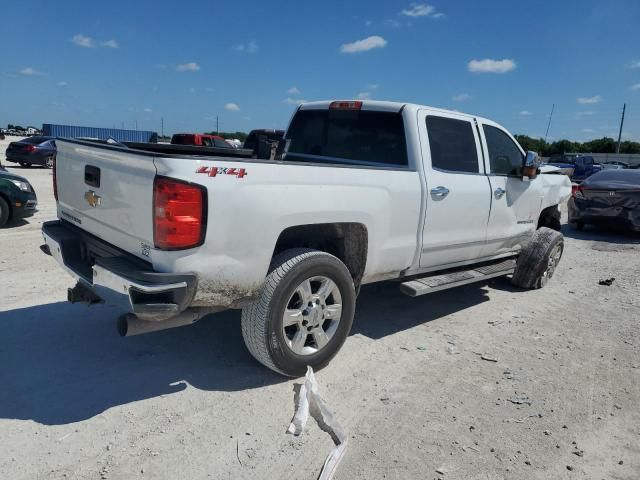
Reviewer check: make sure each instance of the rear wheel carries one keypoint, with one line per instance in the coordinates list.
(25, 164)
(49, 162)
(303, 313)
(539, 259)
(4, 212)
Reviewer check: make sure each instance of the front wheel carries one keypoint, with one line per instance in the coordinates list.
(539, 259)
(303, 313)
(25, 164)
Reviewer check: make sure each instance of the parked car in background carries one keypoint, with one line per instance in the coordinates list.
(17, 197)
(614, 165)
(199, 140)
(32, 151)
(579, 166)
(610, 197)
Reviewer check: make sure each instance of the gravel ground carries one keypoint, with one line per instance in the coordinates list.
(410, 385)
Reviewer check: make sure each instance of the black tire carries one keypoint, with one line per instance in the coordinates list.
(4, 212)
(550, 218)
(262, 321)
(538, 260)
(25, 165)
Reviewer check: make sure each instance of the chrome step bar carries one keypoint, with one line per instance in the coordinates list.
(443, 281)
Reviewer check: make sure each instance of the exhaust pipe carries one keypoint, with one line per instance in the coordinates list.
(129, 324)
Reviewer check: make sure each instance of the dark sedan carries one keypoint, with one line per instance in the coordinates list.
(17, 197)
(32, 151)
(610, 197)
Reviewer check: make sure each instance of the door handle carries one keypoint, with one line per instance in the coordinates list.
(499, 192)
(440, 192)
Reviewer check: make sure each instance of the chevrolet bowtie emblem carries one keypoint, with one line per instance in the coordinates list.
(92, 198)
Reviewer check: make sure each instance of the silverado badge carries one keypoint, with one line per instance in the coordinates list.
(92, 198)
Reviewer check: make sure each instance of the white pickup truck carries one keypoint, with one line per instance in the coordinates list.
(361, 192)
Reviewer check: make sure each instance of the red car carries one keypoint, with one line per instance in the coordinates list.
(200, 140)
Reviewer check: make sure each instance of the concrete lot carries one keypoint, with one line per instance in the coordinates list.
(409, 386)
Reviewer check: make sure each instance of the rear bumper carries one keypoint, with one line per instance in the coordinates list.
(117, 277)
(39, 158)
(585, 212)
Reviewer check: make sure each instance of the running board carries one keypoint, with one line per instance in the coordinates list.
(434, 283)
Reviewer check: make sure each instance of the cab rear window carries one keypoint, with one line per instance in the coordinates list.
(356, 137)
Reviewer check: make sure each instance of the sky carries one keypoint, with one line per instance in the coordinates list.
(250, 63)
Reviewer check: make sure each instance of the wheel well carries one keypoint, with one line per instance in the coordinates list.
(9, 204)
(347, 241)
(549, 217)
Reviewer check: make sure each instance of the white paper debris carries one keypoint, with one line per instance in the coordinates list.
(310, 402)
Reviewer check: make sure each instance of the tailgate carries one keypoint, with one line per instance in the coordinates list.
(107, 192)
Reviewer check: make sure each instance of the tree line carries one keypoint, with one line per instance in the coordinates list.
(600, 145)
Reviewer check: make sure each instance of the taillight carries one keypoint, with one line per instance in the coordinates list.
(576, 191)
(345, 106)
(30, 148)
(55, 179)
(179, 214)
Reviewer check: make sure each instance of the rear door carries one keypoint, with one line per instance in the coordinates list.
(515, 201)
(107, 192)
(458, 192)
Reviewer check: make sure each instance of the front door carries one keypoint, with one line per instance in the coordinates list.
(515, 201)
(458, 191)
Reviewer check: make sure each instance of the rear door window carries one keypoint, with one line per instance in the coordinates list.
(218, 142)
(357, 137)
(452, 144)
(505, 157)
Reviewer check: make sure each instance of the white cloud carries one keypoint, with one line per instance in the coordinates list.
(62, 84)
(232, 107)
(419, 10)
(364, 96)
(438, 15)
(251, 47)
(29, 72)
(461, 97)
(366, 44)
(589, 100)
(634, 64)
(294, 101)
(372, 86)
(109, 44)
(635, 87)
(88, 42)
(148, 110)
(293, 91)
(588, 130)
(188, 67)
(491, 66)
(83, 41)
(525, 113)
(368, 23)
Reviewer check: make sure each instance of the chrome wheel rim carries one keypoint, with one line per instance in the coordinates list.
(552, 263)
(312, 315)
(50, 162)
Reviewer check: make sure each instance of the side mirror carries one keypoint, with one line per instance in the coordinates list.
(531, 165)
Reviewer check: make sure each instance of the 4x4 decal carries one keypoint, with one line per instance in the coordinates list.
(215, 171)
